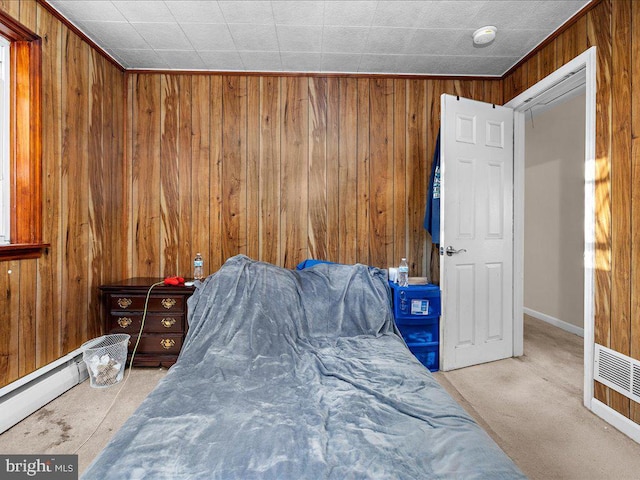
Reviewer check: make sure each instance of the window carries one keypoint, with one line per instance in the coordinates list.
(23, 142)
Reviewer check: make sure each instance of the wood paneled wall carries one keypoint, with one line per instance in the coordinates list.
(49, 306)
(280, 168)
(614, 28)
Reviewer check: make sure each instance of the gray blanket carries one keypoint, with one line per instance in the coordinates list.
(298, 375)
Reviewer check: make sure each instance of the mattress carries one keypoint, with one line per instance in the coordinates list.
(290, 374)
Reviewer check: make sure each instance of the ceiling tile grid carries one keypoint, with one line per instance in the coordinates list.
(422, 37)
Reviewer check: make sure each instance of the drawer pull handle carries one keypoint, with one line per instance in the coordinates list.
(168, 322)
(168, 302)
(124, 302)
(124, 322)
(167, 343)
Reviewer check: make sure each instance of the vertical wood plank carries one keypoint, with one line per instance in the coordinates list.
(514, 84)
(97, 194)
(146, 176)
(621, 189)
(234, 166)
(269, 181)
(399, 171)
(215, 172)
(363, 171)
(127, 190)
(205, 186)
(75, 179)
(169, 175)
(28, 14)
(11, 7)
(381, 174)
(26, 318)
(185, 169)
(253, 166)
(49, 305)
(532, 71)
(9, 321)
(347, 170)
(333, 169)
(417, 175)
(317, 217)
(295, 169)
(547, 60)
(599, 34)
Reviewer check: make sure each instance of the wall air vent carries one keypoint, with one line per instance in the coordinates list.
(617, 371)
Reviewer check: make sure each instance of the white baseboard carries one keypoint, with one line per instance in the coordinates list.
(21, 398)
(567, 327)
(620, 422)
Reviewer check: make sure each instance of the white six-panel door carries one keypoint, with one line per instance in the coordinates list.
(476, 227)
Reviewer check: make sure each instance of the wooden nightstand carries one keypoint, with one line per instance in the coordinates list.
(165, 325)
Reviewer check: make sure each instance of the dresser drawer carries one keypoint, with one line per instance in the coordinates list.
(157, 303)
(169, 344)
(154, 323)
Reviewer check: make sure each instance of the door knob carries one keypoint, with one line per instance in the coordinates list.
(453, 251)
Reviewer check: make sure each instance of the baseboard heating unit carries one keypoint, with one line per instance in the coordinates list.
(617, 371)
(21, 398)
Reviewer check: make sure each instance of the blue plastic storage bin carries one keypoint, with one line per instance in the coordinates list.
(426, 332)
(428, 355)
(415, 301)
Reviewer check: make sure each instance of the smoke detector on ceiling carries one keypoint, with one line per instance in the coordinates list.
(484, 35)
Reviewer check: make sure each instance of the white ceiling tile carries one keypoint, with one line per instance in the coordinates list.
(221, 60)
(340, 62)
(144, 11)
(352, 13)
(261, 61)
(406, 14)
(388, 40)
(452, 14)
(208, 36)
(377, 63)
(419, 64)
(181, 59)
(301, 62)
(480, 66)
(113, 34)
(294, 38)
(166, 36)
(435, 41)
(141, 58)
(97, 11)
(302, 13)
(254, 37)
(201, 11)
(385, 36)
(258, 12)
(344, 39)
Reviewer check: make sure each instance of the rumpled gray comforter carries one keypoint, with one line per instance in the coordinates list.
(298, 375)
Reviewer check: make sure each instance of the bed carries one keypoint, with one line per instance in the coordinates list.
(298, 375)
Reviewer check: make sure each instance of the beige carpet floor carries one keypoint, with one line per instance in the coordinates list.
(531, 406)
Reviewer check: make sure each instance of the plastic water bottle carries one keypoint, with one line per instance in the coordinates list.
(198, 267)
(403, 273)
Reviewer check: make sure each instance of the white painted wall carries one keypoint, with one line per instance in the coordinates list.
(554, 211)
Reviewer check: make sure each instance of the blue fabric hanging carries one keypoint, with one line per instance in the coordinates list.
(432, 214)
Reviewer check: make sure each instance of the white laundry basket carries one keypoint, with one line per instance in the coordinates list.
(105, 358)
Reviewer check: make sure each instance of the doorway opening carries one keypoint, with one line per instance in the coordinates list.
(573, 76)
